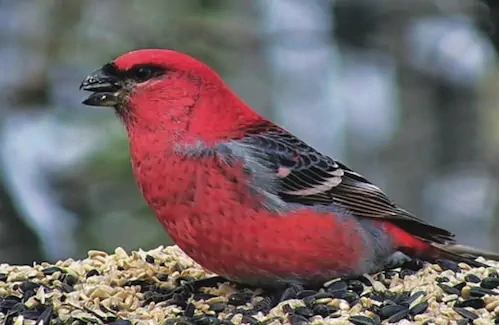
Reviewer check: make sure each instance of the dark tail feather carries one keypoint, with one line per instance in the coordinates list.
(466, 254)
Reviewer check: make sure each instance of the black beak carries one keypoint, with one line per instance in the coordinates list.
(105, 85)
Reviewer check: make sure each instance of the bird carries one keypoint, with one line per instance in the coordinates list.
(241, 195)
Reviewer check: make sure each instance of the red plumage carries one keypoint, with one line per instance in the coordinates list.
(240, 195)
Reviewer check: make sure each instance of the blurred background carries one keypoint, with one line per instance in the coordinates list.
(405, 92)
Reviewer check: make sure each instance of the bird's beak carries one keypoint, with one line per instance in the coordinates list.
(105, 85)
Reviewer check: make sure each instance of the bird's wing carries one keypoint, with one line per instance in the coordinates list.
(302, 175)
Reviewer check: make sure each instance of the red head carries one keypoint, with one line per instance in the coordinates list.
(162, 90)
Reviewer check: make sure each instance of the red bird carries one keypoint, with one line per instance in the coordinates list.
(242, 196)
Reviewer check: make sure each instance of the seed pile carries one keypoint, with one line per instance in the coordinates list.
(156, 287)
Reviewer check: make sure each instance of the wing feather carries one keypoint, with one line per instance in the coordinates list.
(305, 176)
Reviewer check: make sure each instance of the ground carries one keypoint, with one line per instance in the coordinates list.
(154, 288)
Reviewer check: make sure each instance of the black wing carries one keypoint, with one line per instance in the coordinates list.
(305, 176)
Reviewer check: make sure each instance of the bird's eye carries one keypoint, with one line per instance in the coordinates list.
(144, 73)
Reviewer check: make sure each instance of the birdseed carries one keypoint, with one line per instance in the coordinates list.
(161, 287)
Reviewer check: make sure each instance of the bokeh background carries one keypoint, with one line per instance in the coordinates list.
(406, 92)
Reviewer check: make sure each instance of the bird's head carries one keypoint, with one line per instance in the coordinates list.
(165, 90)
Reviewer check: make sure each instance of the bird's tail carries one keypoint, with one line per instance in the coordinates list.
(431, 250)
(466, 254)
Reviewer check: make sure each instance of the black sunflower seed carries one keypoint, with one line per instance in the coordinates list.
(490, 283)
(264, 305)
(150, 259)
(240, 298)
(178, 302)
(189, 310)
(69, 279)
(310, 300)
(390, 310)
(472, 278)
(390, 274)
(448, 289)
(449, 265)
(350, 297)
(304, 311)
(46, 316)
(399, 298)
(295, 319)
(376, 296)
(407, 302)
(218, 307)
(413, 264)
(398, 316)
(245, 311)
(460, 285)
(137, 282)
(289, 293)
(109, 319)
(480, 292)
(31, 314)
(442, 279)
(206, 320)
(66, 287)
(362, 320)
(305, 293)
(337, 288)
(375, 309)
(7, 304)
(8, 320)
(321, 295)
(211, 282)
(154, 297)
(16, 309)
(92, 272)
(390, 302)
(203, 296)
(28, 285)
(324, 310)
(51, 270)
(406, 272)
(356, 286)
(475, 303)
(465, 313)
(250, 320)
(419, 308)
(365, 281)
(28, 294)
(3, 277)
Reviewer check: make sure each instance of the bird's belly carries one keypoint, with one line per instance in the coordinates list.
(264, 249)
(222, 226)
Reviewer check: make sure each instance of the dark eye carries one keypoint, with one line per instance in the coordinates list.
(145, 73)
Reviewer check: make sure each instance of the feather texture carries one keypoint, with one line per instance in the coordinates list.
(300, 174)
